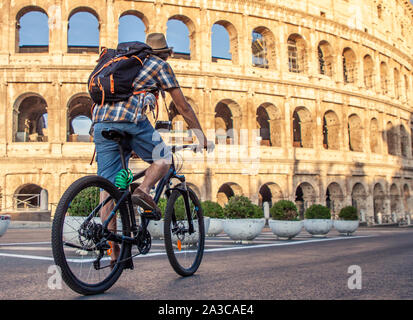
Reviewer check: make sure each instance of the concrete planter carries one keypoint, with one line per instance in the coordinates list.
(216, 226)
(156, 228)
(243, 229)
(285, 229)
(318, 227)
(4, 224)
(346, 226)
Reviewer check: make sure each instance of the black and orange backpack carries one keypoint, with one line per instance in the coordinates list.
(112, 78)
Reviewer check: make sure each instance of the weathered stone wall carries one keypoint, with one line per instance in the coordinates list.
(346, 154)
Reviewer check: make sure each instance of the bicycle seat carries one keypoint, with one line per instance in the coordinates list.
(115, 134)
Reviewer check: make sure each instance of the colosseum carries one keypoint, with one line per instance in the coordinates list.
(311, 104)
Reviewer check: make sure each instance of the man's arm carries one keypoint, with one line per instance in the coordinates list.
(185, 109)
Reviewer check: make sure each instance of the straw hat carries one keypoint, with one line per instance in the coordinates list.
(158, 43)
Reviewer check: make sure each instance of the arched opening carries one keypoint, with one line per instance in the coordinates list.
(355, 132)
(226, 191)
(269, 192)
(374, 136)
(396, 76)
(32, 30)
(404, 141)
(368, 66)
(302, 128)
(131, 27)
(358, 199)
(384, 81)
(395, 201)
(334, 198)
(269, 123)
(349, 66)
(224, 42)
(305, 196)
(27, 197)
(331, 131)
(263, 48)
(392, 139)
(378, 201)
(297, 54)
(180, 35)
(79, 118)
(227, 122)
(30, 119)
(83, 31)
(325, 58)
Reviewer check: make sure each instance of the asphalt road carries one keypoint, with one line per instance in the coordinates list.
(269, 269)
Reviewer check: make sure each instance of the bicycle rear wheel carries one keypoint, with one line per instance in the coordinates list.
(184, 250)
(76, 240)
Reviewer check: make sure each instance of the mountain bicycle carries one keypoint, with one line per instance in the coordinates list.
(81, 242)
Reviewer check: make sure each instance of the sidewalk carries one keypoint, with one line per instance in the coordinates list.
(30, 224)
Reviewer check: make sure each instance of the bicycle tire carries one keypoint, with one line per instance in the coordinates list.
(173, 252)
(59, 244)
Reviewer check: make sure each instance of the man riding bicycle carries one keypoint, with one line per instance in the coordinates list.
(129, 116)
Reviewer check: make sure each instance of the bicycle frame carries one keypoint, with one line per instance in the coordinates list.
(126, 195)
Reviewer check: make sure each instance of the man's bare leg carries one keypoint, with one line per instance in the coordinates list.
(156, 171)
(104, 214)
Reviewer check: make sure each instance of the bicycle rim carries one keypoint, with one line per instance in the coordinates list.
(184, 250)
(76, 235)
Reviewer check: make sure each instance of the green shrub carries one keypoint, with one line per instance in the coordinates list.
(348, 213)
(212, 209)
(84, 202)
(317, 211)
(284, 210)
(240, 207)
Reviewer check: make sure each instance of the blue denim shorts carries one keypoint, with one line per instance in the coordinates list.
(145, 141)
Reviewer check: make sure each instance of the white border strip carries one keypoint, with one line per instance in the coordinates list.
(242, 247)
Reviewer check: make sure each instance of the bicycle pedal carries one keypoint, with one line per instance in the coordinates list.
(151, 215)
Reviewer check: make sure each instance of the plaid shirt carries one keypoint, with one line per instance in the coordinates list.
(155, 73)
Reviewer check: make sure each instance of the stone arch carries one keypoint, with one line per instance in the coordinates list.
(378, 201)
(396, 77)
(32, 19)
(392, 139)
(368, 66)
(395, 200)
(227, 121)
(334, 197)
(359, 198)
(384, 81)
(305, 196)
(325, 58)
(263, 48)
(302, 128)
(374, 136)
(331, 130)
(27, 197)
(78, 41)
(140, 25)
(269, 192)
(228, 190)
(190, 35)
(406, 199)
(30, 118)
(79, 118)
(269, 122)
(233, 40)
(355, 131)
(404, 141)
(349, 65)
(297, 53)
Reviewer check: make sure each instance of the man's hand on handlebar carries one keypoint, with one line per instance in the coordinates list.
(208, 145)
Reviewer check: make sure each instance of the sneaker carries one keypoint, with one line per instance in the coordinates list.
(145, 201)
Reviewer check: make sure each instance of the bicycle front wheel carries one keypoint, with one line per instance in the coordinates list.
(77, 238)
(184, 248)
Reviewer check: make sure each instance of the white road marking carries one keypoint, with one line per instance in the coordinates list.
(239, 247)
